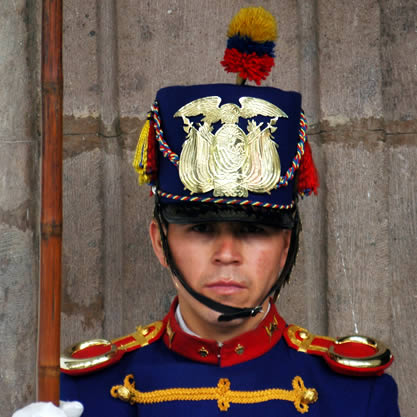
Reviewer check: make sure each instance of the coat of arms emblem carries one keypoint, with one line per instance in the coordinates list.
(229, 161)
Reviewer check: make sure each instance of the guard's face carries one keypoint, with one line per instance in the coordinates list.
(230, 262)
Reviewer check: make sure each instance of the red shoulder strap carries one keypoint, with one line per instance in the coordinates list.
(90, 356)
(352, 355)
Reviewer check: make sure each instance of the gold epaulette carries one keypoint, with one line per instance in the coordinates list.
(351, 355)
(92, 355)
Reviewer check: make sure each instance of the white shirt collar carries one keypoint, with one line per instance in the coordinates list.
(181, 322)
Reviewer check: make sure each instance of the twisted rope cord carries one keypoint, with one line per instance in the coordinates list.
(299, 395)
(231, 201)
(283, 181)
(163, 146)
(302, 134)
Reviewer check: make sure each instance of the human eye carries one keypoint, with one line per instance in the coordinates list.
(202, 228)
(252, 229)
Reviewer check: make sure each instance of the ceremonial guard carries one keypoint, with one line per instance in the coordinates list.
(227, 164)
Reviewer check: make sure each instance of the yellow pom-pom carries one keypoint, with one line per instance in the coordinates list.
(254, 22)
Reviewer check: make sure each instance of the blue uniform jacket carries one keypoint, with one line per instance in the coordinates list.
(249, 376)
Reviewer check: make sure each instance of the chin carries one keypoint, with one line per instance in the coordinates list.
(231, 300)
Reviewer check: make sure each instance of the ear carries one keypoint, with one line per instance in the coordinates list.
(286, 234)
(155, 236)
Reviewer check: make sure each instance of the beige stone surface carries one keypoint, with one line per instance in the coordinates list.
(399, 58)
(82, 258)
(15, 121)
(308, 59)
(354, 62)
(16, 177)
(18, 315)
(358, 254)
(81, 87)
(18, 273)
(19, 184)
(304, 300)
(350, 74)
(402, 201)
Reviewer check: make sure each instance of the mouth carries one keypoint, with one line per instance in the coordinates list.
(225, 287)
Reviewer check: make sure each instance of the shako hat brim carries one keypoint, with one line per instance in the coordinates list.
(188, 213)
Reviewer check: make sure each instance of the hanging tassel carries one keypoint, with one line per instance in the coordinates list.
(308, 178)
(250, 45)
(144, 161)
(152, 156)
(139, 161)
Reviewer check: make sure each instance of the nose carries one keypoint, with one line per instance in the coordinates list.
(227, 249)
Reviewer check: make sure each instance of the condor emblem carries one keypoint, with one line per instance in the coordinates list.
(229, 161)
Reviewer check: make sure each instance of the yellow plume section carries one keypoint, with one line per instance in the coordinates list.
(141, 155)
(255, 23)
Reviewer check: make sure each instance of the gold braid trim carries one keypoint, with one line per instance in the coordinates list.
(300, 395)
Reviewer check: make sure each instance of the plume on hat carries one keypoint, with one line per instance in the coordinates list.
(250, 46)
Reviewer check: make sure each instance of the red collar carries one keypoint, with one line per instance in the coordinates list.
(242, 348)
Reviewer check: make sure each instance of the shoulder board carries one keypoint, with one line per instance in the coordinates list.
(90, 356)
(351, 355)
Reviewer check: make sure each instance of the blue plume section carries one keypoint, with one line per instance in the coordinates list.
(244, 44)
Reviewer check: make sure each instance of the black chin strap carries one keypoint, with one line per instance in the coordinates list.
(228, 312)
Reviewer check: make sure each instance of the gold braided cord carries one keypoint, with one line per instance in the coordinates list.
(299, 395)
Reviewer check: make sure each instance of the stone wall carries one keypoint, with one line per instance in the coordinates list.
(355, 63)
(19, 201)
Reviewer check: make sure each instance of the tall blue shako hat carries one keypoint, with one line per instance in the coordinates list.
(223, 152)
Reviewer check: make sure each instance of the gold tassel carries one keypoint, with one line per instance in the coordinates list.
(141, 155)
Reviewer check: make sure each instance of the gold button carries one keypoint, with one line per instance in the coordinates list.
(303, 335)
(239, 349)
(203, 352)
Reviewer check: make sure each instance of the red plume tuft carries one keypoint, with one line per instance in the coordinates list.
(152, 163)
(308, 178)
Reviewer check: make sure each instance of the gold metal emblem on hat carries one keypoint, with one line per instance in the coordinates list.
(230, 162)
